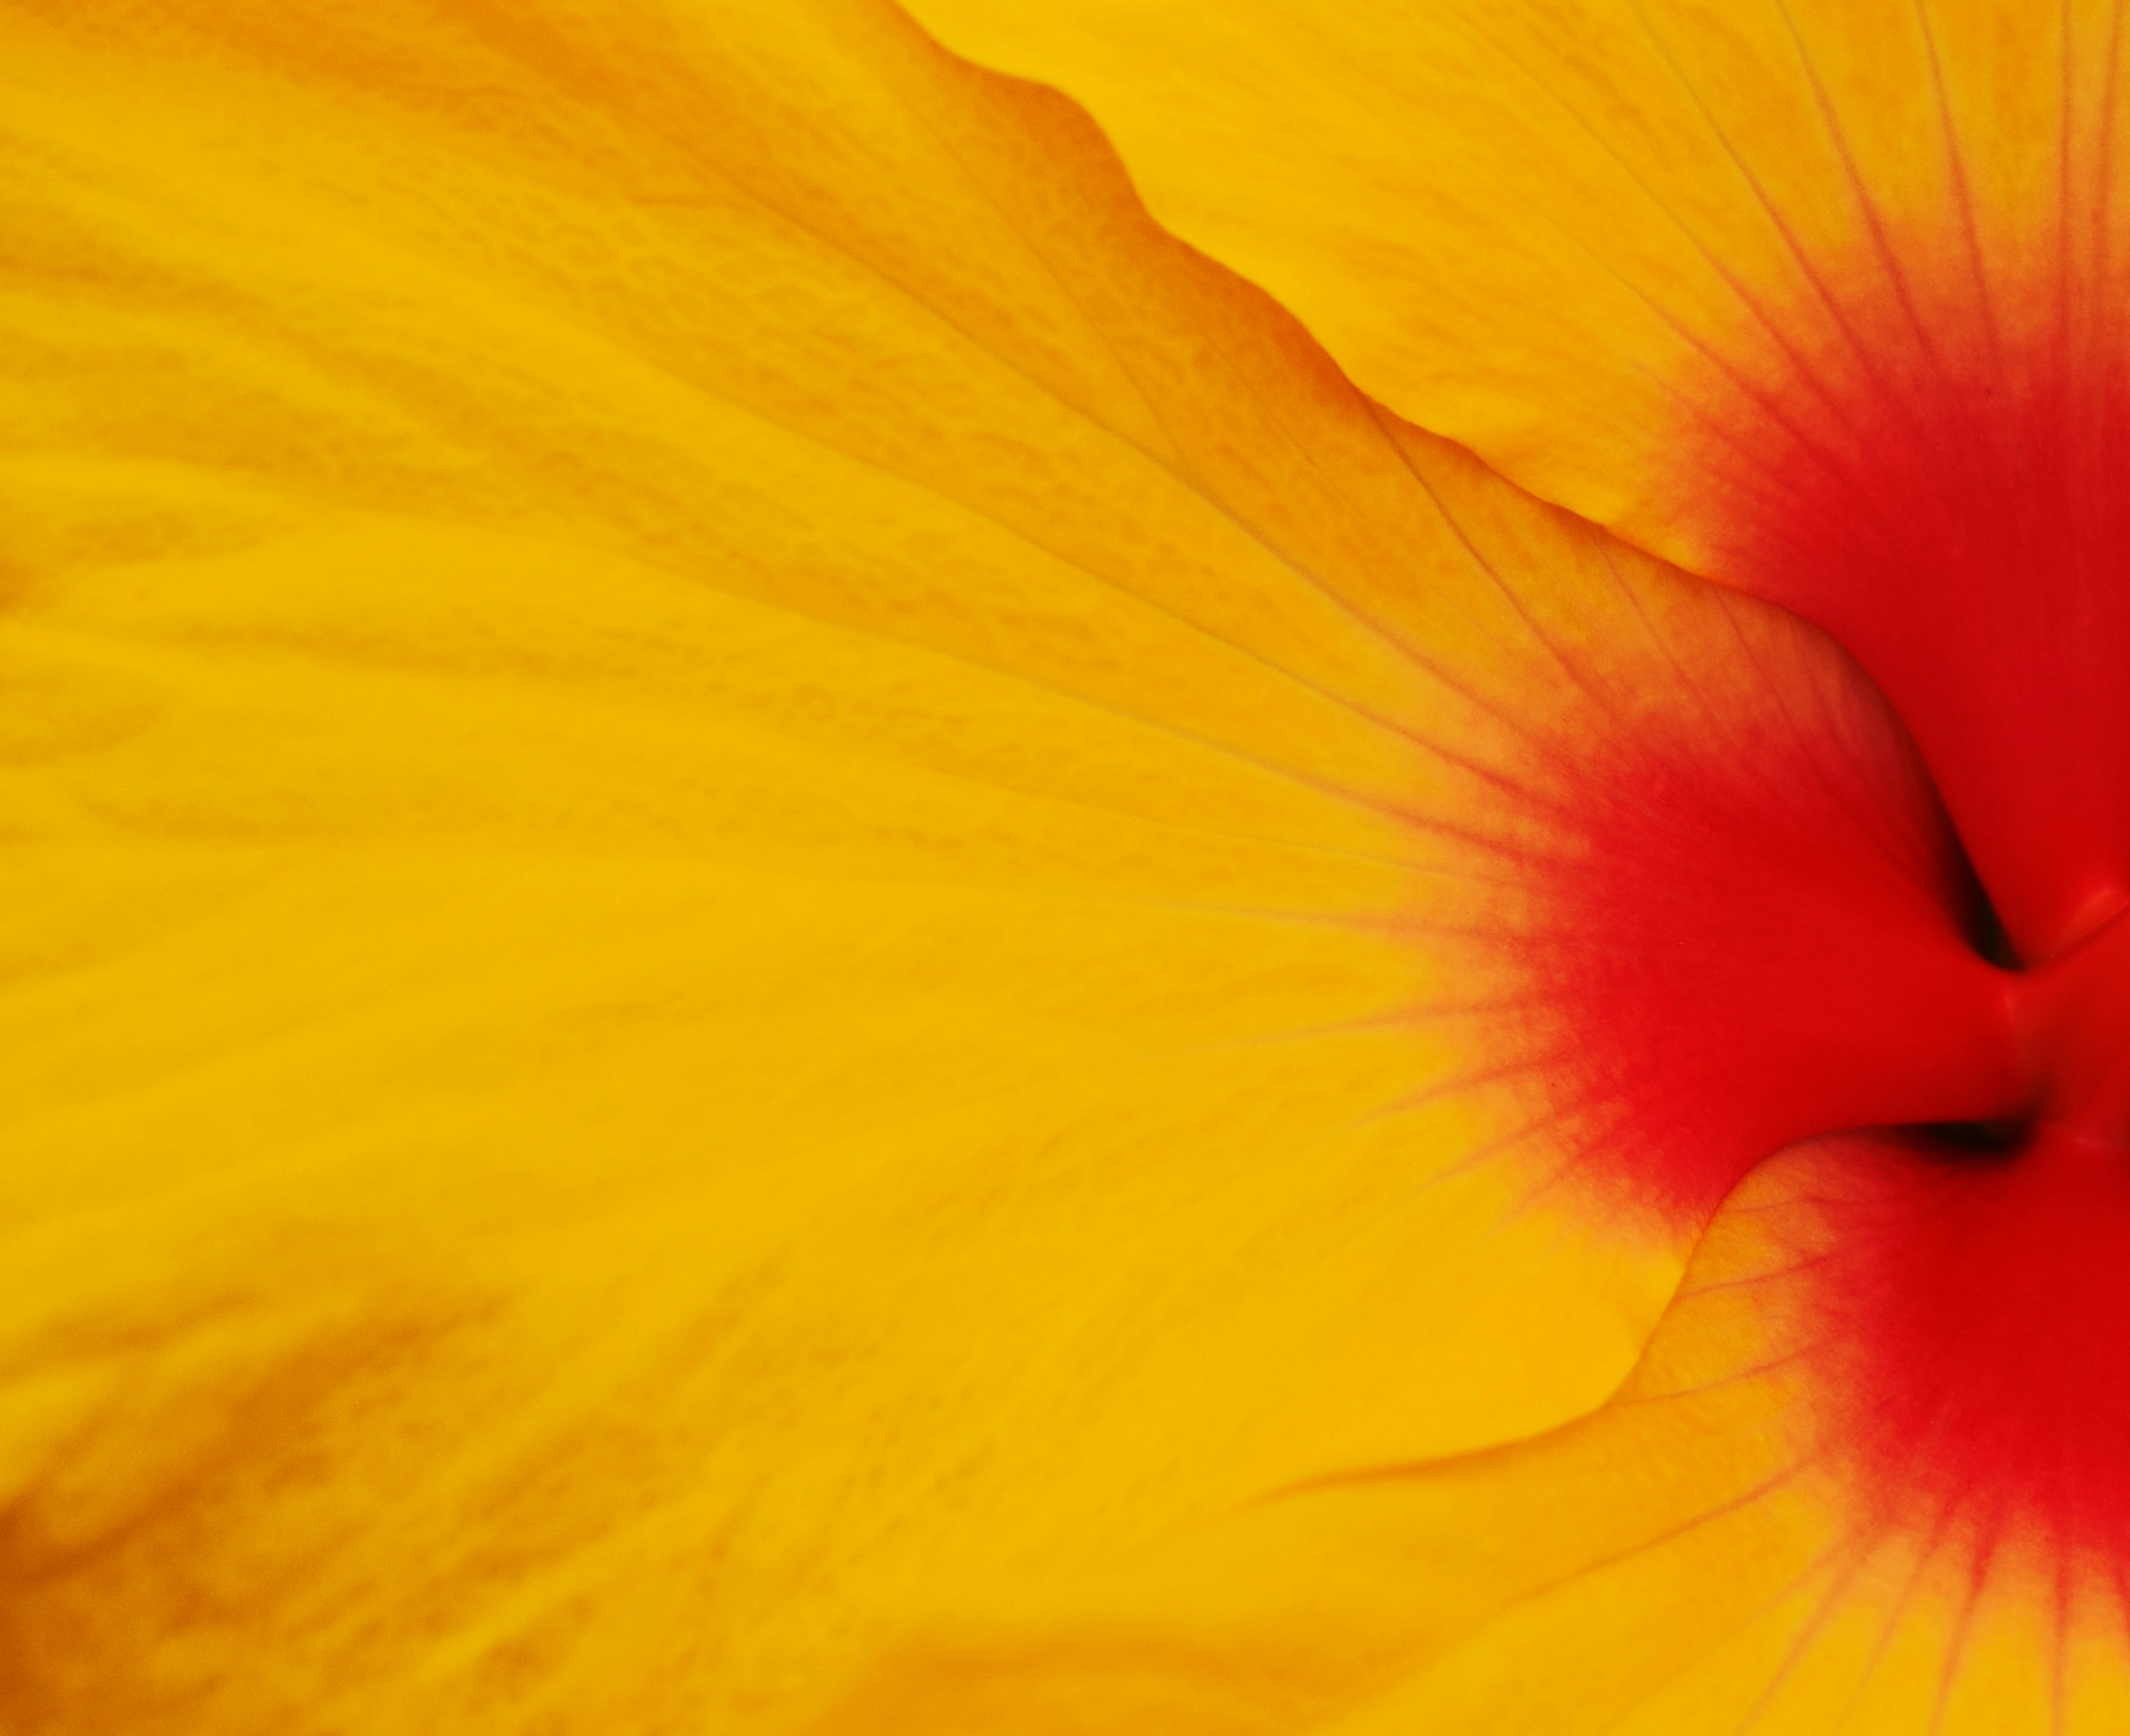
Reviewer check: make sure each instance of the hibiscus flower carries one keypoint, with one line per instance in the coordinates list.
(807, 934)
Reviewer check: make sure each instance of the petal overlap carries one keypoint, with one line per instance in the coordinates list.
(1818, 299)
(1691, 1557)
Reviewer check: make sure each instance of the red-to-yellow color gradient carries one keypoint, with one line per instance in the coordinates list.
(797, 942)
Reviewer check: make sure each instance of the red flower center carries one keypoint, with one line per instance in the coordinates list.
(1779, 936)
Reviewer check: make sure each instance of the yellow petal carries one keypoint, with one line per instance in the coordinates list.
(1695, 1558)
(1820, 299)
(1569, 235)
(744, 850)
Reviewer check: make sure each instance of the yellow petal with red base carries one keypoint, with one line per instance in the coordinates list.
(1546, 229)
(753, 856)
(1818, 299)
(762, 863)
(1701, 1555)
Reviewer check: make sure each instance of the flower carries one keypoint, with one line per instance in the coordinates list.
(800, 942)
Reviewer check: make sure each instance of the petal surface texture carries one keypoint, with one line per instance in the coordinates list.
(753, 853)
(758, 864)
(1819, 298)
